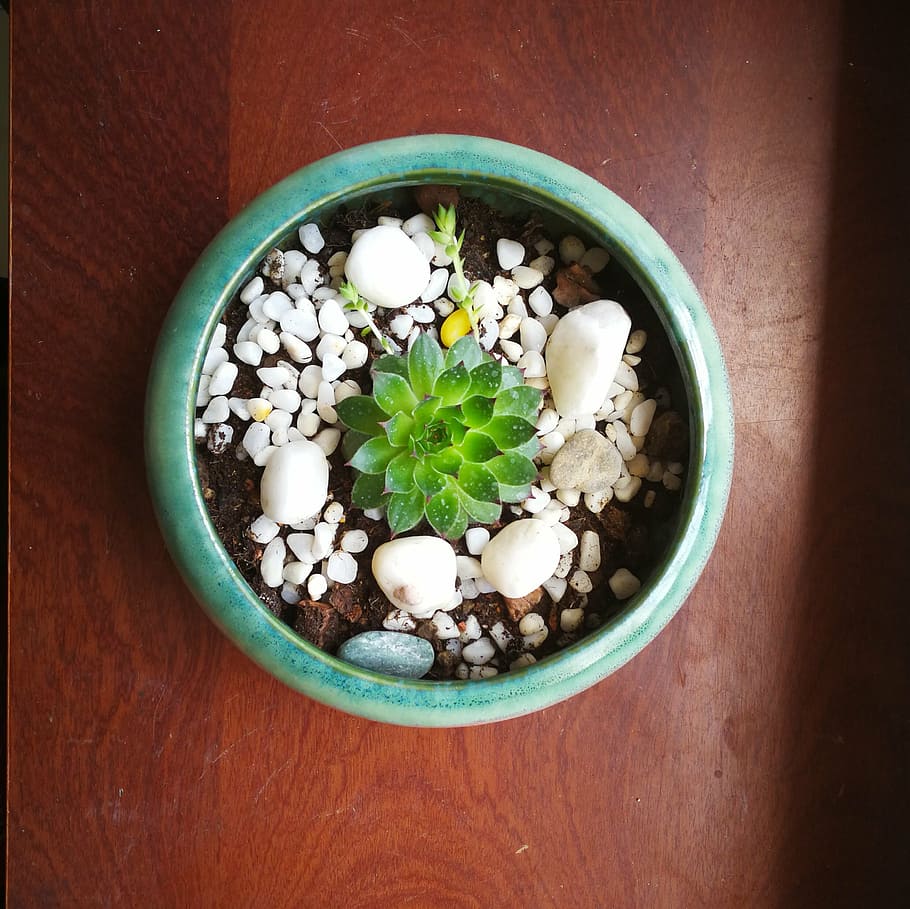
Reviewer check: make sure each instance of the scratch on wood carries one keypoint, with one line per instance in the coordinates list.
(271, 776)
(227, 751)
(330, 134)
(407, 37)
(521, 848)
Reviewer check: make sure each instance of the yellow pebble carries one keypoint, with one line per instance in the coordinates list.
(456, 325)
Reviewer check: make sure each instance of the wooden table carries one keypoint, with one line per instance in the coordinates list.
(756, 754)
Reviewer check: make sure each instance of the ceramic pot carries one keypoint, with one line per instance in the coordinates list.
(514, 179)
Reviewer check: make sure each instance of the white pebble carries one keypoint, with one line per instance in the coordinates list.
(536, 502)
(556, 588)
(532, 363)
(467, 567)
(540, 301)
(522, 661)
(570, 497)
(510, 254)
(642, 416)
(544, 264)
(332, 319)
(436, 286)
(479, 652)
(248, 352)
(626, 377)
(489, 332)
(547, 421)
(399, 620)
(273, 376)
(511, 349)
(476, 538)
(200, 430)
(509, 325)
(564, 566)
(637, 341)
(500, 636)
(240, 408)
(308, 424)
(581, 582)
(297, 572)
(423, 242)
(469, 589)
(624, 584)
(595, 502)
(626, 488)
(417, 223)
(328, 439)
(401, 325)
(355, 354)
(213, 359)
(589, 551)
(286, 399)
(333, 367)
(568, 540)
(301, 544)
(310, 379)
(342, 567)
(533, 335)
(297, 350)
(526, 277)
(472, 630)
(217, 411)
(531, 623)
(671, 481)
(422, 314)
(533, 641)
(355, 541)
(272, 564)
(256, 438)
(223, 379)
(595, 259)
(276, 304)
(311, 238)
(333, 513)
(639, 466)
(263, 530)
(517, 307)
(444, 307)
(316, 586)
(570, 619)
(571, 249)
(252, 290)
(323, 538)
(444, 627)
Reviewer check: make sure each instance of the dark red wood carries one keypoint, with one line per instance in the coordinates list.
(755, 754)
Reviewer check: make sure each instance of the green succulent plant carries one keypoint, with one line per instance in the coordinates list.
(445, 435)
(460, 291)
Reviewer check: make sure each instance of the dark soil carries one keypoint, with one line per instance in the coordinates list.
(631, 535)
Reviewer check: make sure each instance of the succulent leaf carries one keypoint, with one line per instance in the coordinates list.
(368, 490)
(519, 401)
(513, 469)
(399, 475)
(362, 413)
(392, 393)
(477, 411)
(374, 455)
(478, 482)
(452, 385)
(397, 430)
(509, 432)
(405, 510)
(486, 379)
(477, 447)
(465, 350)
(391, 363)
(425, 363)
(446, 514)
(428, 479)
(482, 512)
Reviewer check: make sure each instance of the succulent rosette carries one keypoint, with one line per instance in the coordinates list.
(445, 435)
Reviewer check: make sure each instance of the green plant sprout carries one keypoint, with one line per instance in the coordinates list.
(356, 302)
(447, 436)
(461, 293)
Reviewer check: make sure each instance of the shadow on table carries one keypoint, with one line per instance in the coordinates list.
(850, 695)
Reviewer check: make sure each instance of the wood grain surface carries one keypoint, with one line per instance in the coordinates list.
(756, 754)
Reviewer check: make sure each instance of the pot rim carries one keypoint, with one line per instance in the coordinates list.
(231, 258)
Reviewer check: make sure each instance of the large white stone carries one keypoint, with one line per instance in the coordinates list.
(583, 354)
(295, 482)
(417, 574)
(387, 267)
(521, 557)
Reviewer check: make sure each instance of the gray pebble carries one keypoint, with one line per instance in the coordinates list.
(588, 462)
(402, 655)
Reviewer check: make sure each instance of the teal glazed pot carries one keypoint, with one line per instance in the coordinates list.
(511, 178)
